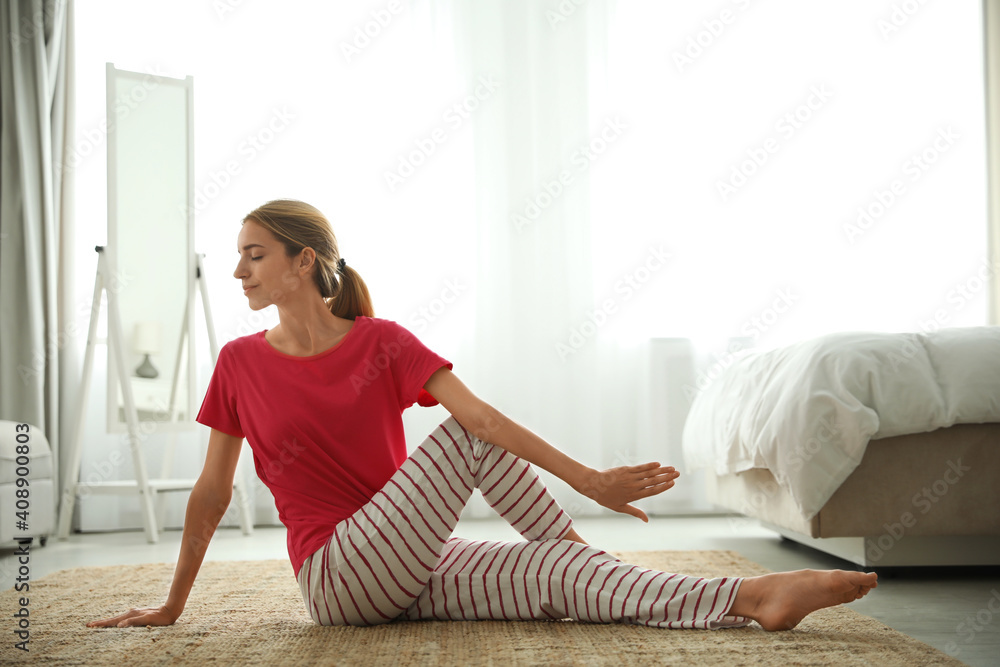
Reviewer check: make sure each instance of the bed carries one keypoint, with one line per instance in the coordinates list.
(882, 449)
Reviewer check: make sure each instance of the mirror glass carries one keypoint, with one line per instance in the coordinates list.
(151, 246)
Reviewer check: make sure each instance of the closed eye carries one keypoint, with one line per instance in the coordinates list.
(256, 258)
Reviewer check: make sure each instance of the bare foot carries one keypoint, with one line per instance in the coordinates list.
(779, 601)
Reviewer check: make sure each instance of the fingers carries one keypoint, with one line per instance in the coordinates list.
(658, 483)
(651, 475)
(668, 475)
(650, 491)
(131, 618)
(653, 486)
(110, 622)
(617, 487)
(133, 621)
(640, 475)
(653, 468)
(636, 512)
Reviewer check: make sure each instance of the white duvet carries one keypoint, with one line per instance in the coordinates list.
(807, 411)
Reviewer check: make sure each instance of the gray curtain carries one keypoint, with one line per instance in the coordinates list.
(35, 121)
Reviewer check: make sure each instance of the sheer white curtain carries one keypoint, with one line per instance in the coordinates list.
(534, 256)
(540, 353)
(665, 183)
(810, 168)
(828, 161)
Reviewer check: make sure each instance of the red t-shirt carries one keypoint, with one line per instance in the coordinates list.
(326, 430)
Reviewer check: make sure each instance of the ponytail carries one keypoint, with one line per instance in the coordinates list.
(351, 297)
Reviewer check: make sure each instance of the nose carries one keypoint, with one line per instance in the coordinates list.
(240, 270)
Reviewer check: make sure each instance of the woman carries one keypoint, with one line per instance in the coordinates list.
(320, 397)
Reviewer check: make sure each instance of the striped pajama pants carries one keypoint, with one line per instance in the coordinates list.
(395, 557)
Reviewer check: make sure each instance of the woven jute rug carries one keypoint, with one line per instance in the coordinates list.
(250, 612)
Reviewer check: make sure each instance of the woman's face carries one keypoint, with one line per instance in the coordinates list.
(268, 276)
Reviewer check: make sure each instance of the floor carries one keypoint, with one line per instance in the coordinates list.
(963, 620)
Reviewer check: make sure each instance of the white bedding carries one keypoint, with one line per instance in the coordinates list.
(807, 411)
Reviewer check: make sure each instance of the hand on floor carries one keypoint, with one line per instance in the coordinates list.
(137, 618)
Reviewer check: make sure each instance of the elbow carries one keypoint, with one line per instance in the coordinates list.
(488, 422)
(211, 498)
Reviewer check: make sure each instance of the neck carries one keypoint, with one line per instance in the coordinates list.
(309, 328)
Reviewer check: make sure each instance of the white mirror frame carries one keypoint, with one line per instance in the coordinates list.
(151, 243)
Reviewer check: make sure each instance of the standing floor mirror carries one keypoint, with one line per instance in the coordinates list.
(151, 245)
(148, 272)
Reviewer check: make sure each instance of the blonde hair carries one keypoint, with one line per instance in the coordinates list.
(300, 225)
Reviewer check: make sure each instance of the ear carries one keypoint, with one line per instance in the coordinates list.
(307, 257)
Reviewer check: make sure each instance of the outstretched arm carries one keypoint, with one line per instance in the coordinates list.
(614, 488)
(207, 504)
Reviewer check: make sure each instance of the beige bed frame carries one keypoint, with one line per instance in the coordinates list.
(922, 499)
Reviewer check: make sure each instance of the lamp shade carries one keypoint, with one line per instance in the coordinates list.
(146, 337)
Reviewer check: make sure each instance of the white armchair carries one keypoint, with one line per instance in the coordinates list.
(39, 521)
